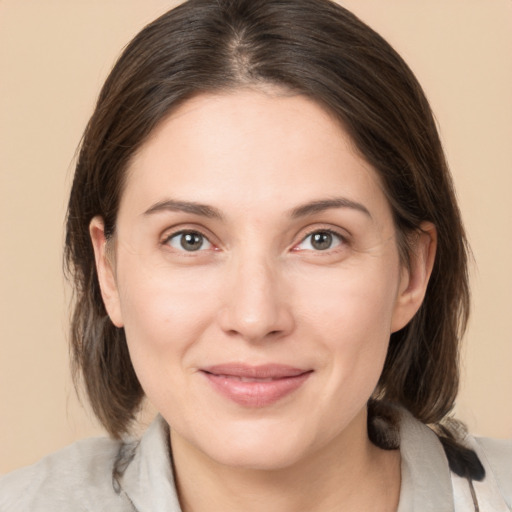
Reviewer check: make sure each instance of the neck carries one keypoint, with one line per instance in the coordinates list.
(349, 474)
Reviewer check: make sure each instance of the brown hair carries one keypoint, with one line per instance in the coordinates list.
(311, 47)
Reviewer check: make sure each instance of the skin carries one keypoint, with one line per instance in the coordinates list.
(258, 291)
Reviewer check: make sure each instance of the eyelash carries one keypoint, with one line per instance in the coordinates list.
(334, 234)
(183, 232)
(194, 232)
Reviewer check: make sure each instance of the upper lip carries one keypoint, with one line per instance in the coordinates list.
(264, 371)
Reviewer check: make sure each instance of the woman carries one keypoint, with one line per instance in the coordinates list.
(265, 243)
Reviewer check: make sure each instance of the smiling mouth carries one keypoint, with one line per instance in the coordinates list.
(255, 386)
(249, 379)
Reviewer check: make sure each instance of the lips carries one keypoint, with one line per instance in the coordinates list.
(255, 386)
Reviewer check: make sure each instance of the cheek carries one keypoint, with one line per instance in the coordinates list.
(164, 311)
(350, 316)
(350, 302)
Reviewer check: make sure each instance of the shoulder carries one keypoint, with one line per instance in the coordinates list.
(78, 477)
(427, 476)
(496, 456)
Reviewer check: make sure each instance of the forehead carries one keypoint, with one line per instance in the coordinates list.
(250, 148)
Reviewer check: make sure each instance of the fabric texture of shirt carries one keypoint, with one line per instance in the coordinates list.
(97, 475)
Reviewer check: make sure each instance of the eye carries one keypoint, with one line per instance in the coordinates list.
(190, 241)
(321, 240)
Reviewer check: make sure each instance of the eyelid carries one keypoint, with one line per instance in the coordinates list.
(344, 238)
(173, 231)
(181, 229)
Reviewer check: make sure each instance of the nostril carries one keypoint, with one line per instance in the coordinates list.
(271, 334)
(256, 318)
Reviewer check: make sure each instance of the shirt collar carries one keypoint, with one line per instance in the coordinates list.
(426, 478)
(149, 482)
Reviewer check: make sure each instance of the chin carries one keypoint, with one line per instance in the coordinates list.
(261, 459)
(258, 446)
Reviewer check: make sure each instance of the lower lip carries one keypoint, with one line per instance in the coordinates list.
(256, 393)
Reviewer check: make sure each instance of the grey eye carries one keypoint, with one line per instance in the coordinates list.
(189, 241)
(320, 241)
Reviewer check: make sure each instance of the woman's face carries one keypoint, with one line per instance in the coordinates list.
(256, 276)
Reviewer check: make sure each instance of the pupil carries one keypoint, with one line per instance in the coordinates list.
(321, 240)
(191, 241)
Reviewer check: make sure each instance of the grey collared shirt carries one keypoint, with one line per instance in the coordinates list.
(98, 475)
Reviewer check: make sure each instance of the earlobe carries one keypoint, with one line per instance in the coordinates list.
(105, 270)
(415, 278)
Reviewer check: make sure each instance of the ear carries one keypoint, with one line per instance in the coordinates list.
(415, 277)
(105, 270)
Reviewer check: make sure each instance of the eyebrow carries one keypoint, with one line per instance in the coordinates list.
(185, 206)
(211, 212)
(326, 204)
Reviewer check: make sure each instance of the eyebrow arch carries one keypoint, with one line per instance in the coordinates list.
(173, 205)
(213, 213)
(325, 204)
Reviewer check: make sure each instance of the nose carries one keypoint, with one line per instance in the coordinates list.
(255, 305)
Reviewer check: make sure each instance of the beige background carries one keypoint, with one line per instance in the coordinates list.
(54, 55)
